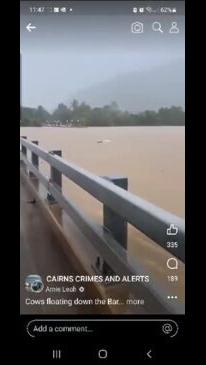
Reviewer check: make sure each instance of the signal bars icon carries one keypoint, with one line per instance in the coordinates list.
(150, 10)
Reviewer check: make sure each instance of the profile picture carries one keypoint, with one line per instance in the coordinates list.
(34, 283)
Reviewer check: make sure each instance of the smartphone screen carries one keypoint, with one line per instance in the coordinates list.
(102, 179)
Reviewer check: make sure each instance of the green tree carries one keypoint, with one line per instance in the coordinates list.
(81, 114)
(62, 113)
(42, 114)
(74, 105)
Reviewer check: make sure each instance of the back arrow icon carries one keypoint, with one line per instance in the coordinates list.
(149, 354)
(30, 27)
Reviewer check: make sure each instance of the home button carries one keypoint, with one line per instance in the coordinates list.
(102, 354)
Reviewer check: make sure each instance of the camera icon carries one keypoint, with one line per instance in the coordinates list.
(34, 283)
(137, 27)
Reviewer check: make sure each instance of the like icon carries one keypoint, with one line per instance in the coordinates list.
(172, 230)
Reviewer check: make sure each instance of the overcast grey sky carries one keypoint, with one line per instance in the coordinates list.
(64, 55)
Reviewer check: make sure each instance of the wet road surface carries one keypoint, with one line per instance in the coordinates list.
(40, 253)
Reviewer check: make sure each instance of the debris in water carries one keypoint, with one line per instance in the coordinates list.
(104, 140)
(33, 201)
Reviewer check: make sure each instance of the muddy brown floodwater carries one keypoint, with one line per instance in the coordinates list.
(153, 159)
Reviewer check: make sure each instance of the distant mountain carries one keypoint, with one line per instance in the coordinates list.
(161, 86)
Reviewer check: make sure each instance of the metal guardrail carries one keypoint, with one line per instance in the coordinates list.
(146, 217)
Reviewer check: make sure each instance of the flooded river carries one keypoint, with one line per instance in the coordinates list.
(152, 158)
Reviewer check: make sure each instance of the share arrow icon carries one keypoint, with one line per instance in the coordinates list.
(30, 27)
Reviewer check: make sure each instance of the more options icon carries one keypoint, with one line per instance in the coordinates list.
(137, 27)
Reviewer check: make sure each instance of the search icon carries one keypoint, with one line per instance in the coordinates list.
(157, 27)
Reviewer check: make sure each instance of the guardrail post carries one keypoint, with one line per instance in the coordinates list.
(24, 152)
(115, 224)
(55, 177)
(23, 148)
(111, 220)
(34, 160)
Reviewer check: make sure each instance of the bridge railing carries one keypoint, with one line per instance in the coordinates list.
(124, 207)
